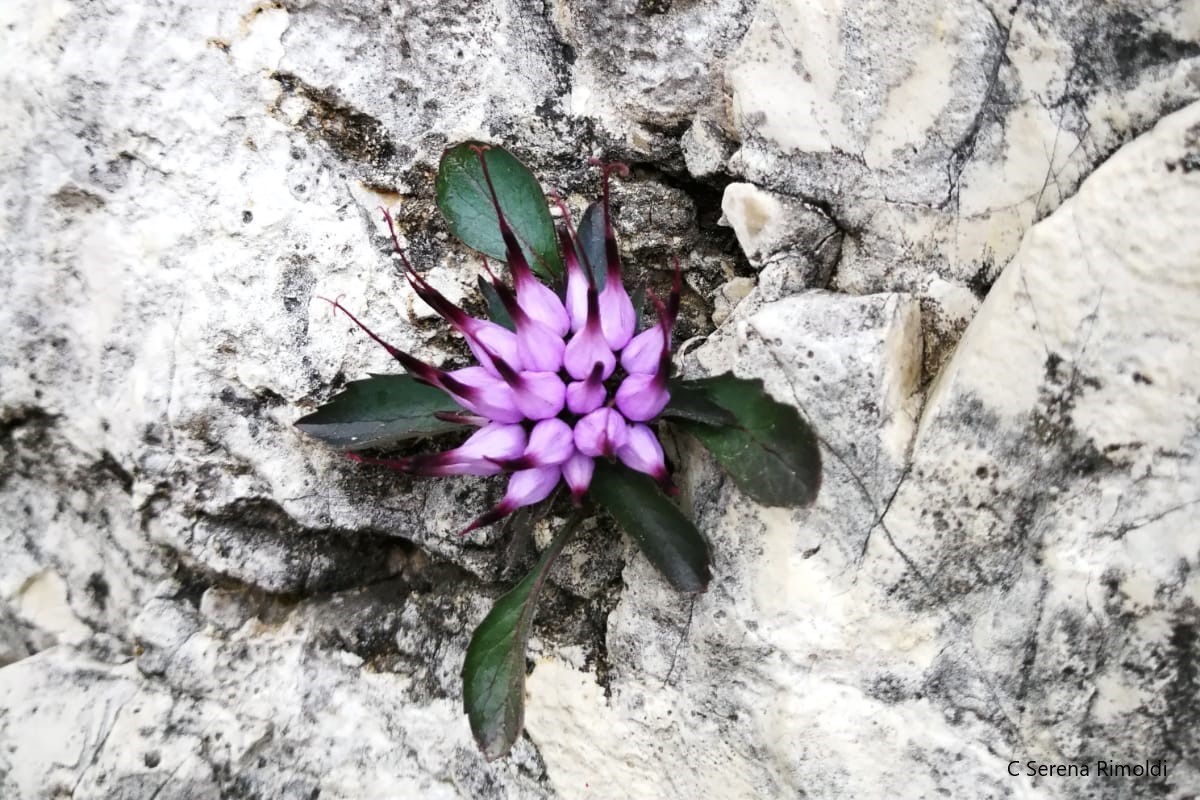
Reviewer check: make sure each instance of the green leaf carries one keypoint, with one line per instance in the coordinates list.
(496, 310)
(771, 452)
(691, 402)
(638, 297)
(494, 669)
(590, 236)
(378, 411)
(466, 203)
(655, 524)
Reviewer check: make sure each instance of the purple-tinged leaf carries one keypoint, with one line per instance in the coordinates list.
(380, 411)
(655, 524)
(494, 669)
(770, 451)
(496, 311)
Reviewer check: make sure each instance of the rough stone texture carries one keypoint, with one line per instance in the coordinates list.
(1013, 578)
(197, 602)
(939, 131)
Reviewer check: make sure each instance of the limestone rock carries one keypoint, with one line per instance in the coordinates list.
(1013, 578)
(771, 227)
(706, 148)
(641, 64)
(654, 222)
(938, 131)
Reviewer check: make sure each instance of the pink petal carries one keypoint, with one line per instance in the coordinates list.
(616, 313)
(487, 339)
(601, 433)
(642, 397)
(540, 348)
(577, 283)
(643, 452)
(495, 440)
(577, 472)
(585, 350)
(432, 465)
(584, 397)
(524, 488)
(643, 352)
(541, 303)
(540, 395)
(477, 390)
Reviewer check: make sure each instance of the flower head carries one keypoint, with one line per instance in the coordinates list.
(572, 382)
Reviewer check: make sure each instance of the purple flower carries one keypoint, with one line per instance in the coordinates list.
(543, 395)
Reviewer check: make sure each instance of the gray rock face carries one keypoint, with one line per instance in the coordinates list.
(196, 601)
(938, 132)
(1010, 575)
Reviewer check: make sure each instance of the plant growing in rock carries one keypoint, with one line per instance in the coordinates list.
(566, 389)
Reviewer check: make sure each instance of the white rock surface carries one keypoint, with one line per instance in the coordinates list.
(938, 131)
(1020, 586)
(197, 602)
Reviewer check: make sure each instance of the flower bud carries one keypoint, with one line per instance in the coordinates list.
(601, 433)
(642, 354)
(643, 452)
(540, 395)
(617, 317)
(539, 348)
(540, 302)
(642, 397)
(472, 457)
(494, 440)
(551, 442)
(475, 389)
(583, 397)
(616, 309)
(525, 488)
(534, 297)
(577, 282)
(588, 347)
(577, 472)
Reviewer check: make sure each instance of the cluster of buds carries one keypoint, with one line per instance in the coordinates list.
(543, 394)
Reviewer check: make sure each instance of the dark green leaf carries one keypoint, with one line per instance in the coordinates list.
(691, 402)
(466, 203)
(655, 524)
(496, 310)
(638, 296)
(494, 669)
(378, 411)
(590, 235)
(771, 453)
(518, 530)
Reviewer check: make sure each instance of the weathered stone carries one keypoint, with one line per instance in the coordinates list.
(772, 227)
(938, 132)
(1014, 578)
(706, 148)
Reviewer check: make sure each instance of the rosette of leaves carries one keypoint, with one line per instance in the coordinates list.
(566, 390)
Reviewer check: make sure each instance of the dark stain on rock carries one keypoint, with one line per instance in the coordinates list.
(75, 198)
(98, 590)
(309, 560)
(649, 8)
(109, 466)
(353, 135)
(1119, 46)
(23, 429)
(1182, 692)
